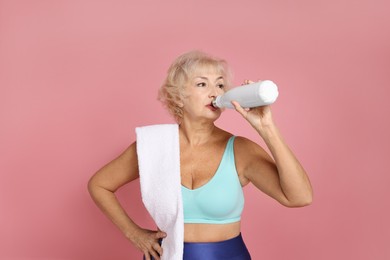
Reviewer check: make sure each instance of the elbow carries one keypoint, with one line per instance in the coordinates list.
(302, 202)
(96, 186)
(91, 186)
(302, 199)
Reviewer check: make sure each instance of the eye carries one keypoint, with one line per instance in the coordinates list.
(202, 84)
(221, 86)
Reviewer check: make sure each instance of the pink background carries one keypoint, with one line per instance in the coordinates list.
(76, 78)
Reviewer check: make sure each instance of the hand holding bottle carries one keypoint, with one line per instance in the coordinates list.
(259, 117)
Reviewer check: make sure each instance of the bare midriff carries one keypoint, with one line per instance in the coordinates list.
(194, 232)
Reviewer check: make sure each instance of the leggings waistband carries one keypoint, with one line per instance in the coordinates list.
(231, 249)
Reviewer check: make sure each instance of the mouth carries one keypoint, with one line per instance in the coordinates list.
(211, 107)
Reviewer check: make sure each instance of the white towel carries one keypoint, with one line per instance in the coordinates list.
(158, 151)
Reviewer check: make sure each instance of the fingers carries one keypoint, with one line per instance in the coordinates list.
(160, 234)
(158, 249)
(154, 251)
(155, 255)
(247, 81)
(238, 108)
(148, 242)
(146, 255)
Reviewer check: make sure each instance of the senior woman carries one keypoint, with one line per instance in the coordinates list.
(214, 166)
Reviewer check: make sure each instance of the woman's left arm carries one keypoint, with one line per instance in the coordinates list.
(290, 177)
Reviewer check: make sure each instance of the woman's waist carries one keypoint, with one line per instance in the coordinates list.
(199, 232)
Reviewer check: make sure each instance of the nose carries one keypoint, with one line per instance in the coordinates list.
(214, 92)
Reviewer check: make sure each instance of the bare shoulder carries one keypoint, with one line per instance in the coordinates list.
(245, 146)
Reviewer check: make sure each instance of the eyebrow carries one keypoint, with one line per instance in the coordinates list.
(205, 78)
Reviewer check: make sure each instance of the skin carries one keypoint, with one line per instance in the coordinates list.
(201, 147)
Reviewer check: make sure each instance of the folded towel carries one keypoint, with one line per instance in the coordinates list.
(158, 151)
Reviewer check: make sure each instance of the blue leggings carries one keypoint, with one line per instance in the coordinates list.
(231, 249)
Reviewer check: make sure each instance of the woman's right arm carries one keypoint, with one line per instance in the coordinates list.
(102, 187)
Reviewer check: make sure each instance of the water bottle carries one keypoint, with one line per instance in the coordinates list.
(252, 95)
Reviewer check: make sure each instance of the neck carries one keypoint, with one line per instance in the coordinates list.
(196, 133)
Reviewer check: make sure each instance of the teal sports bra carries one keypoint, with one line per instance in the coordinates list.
(221, 199)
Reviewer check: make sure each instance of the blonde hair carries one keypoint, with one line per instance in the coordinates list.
(172, 91)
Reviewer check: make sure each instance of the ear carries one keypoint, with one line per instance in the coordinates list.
(180, 104)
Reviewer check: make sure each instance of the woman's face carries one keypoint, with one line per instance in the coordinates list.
(200, 91)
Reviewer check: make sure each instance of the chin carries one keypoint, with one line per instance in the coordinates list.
(215, 116)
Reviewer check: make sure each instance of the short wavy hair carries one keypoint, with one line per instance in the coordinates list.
(172, 91)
